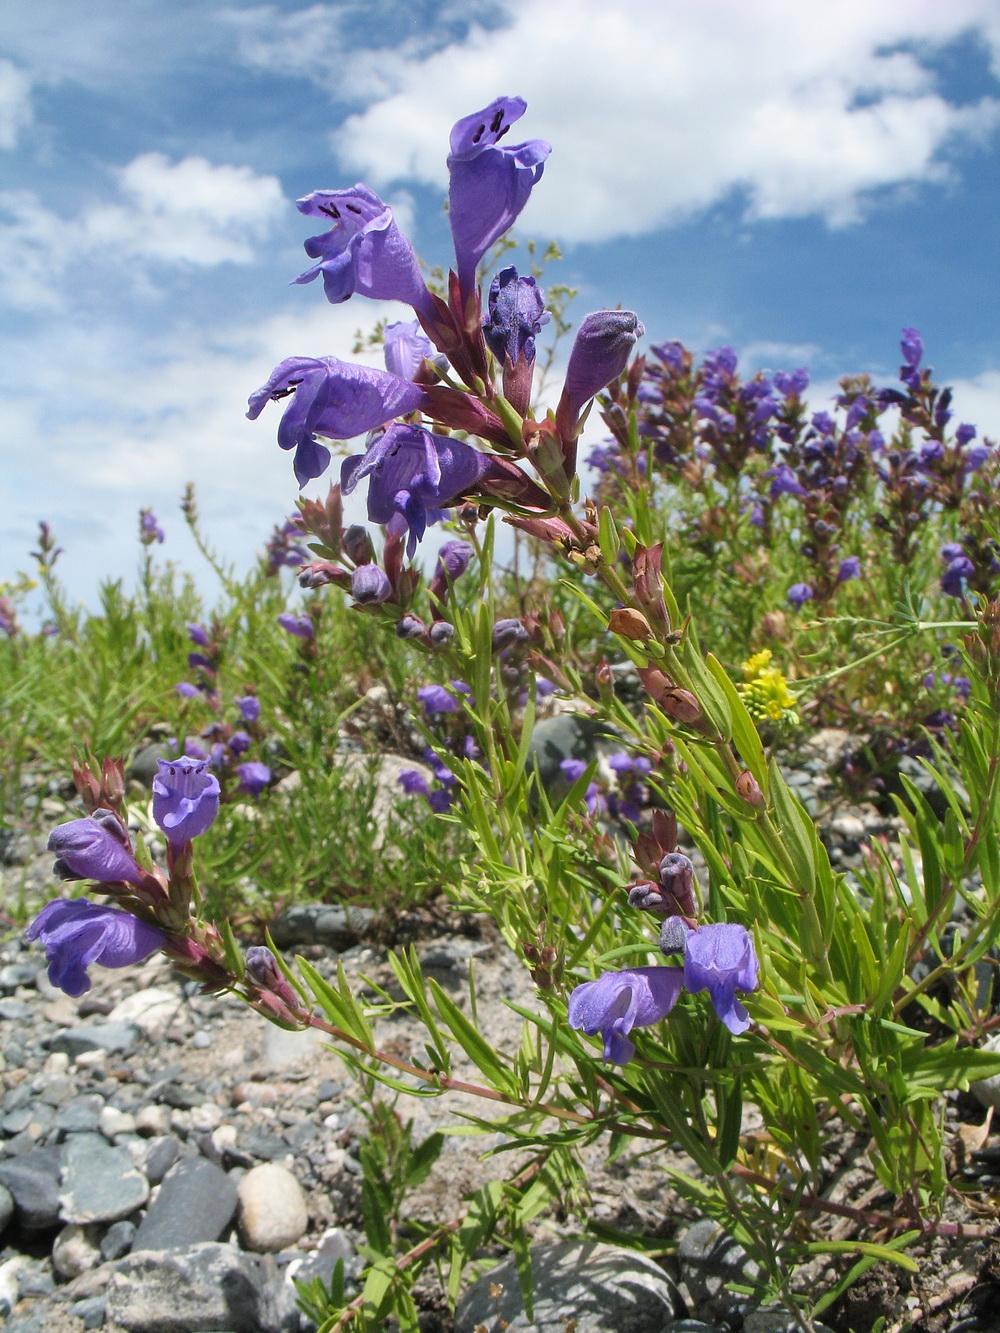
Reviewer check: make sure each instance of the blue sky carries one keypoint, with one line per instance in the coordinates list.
(797, 180)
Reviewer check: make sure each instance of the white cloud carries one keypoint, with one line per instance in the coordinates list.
(978, 400)
(660, 108)
(189, 213)
(15, 103)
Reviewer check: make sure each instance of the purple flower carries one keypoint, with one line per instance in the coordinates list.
(94, 848)
(516, 315)
(406, 348)
(185, 798)
(364, 251)
(192, 750)
(263, 970)
(795, 382)
(239, 742)
(453, 559)
(721, 960)
(964, 433)
(414, 783)
(573, 769)
(198, 634)
(414, 475)
(76, 934)
(300, 626)
(784, 482)
(441, 800)
(619, 1001)
(799, 593)
(186, 690)
(974, 458)
(199, 660)
(249, 706)
(489, 184)
(912, 347)
(149, 530)
(253, 777)
(370, 584)
(506, 633)
(850, 568)
(331, 398)
(438, 699)
(601, 349)
(957, 571)
(623, 763)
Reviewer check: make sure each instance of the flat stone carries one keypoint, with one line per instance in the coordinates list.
(196, 1202)
(100, 1183)
(117, 1240)
(159, 1156)
(987, 1090)
(14, 1011)
(775, 1319)
(13, 975)
(153, 1120)
(112, 1122)
(603, 1288)
(709, 1258)
(283, 1048)
(273, 1213)
(152, 1010)
(82, 1115)
(111, 1038)
(338, 925)
(198, 1287)
(33, 1182)
(90, 1311)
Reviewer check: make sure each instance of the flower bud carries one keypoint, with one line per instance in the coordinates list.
(748, 789)
(409, 627)
(440, 633)
(632, 624)
(263, 971)
(369, 585)
(358, 545)
(506, 633)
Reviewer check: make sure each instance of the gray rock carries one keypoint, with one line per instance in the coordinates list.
(109, 1037)
(197, 1288)
(692, 1326)
(709, 1258)
(14, 1011)
(152, 1010)
(81, 1115)
(145, 766)
(6, 1207)
(987, 1090)
(283, 1048)
(117, 1240)
(196, 1203)
(338, 926)
(604, 1288)
(566, 736)
(36, 1117)
(159, 1156)
(100, 1183)
(90, 1311)
(775, 1319)
(17, 974)
(33, 1182)
(75, 1251)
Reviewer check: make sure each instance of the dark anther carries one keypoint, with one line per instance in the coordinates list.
(502, 133)
(479, 134)
(353, 208)
(496, 122)
(330, 210)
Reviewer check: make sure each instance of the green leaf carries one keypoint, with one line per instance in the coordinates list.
(744, 732)
(608, 538)
(486, 1059)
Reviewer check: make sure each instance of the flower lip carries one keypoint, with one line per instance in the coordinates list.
(185, 798)
(77, 932)
(95, 847)
(619, 1001)
(721, 959)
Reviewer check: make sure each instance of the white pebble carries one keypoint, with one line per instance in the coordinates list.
(273, 1212)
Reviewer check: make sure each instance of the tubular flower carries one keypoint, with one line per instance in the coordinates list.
(364, 251)
(619, 1001)
(78, 933)
(489, 184)
(185, 798)
(94, 848)
(331, 398)
(414, 475)
(721, 959)
(405, 348)
(601, 349)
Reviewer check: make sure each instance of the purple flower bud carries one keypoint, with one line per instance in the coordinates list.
(149, 530)
(516, 315)
(239, 742)
(677, 878)
(410, 626)
(193, 750)
(186, 690)
(721, 959)
(489, 184)
(185, 798)
(912, 347)
(370, 584)
(440, 633)
(358, 545)
(674, 935)
(263, 970)
(94, 848)
(300, 626)
(785, 482)
(364, 251)
(441, 800)
(850, 568)
(249, 706)
(76, 934)
(453, 559)
(799, 593)
(506, 633)
(199, 660)
(619, 1001)
(601, 349)
(198, 634)
(795, 383)
(254, 777)
(974, 458)
(406, 348)
(437, 699)
(953, 580)
(964, 433)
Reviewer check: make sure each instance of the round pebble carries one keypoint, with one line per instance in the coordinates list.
(273, 1211)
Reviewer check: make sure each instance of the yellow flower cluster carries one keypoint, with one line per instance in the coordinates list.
(765, 691)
